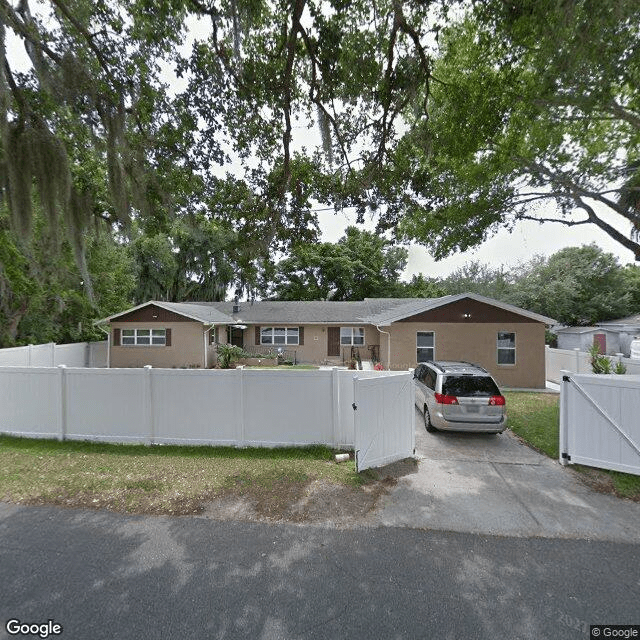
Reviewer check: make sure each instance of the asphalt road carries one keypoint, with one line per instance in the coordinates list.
(104, 575)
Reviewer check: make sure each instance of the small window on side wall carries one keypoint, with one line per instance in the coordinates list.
(425, 346)
(506, 347)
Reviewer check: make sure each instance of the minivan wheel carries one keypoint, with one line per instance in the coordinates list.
(427, 421)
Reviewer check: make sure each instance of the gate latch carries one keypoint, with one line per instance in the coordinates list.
(355, 406)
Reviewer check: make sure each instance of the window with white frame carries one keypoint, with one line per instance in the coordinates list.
(136, 337)
(352, 336)
(279, 335)
(506, 347)
(425, 346)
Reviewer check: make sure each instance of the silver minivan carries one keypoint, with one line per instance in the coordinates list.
(459, 396)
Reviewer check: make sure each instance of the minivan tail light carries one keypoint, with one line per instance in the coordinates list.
(497, 401)
(444, 399)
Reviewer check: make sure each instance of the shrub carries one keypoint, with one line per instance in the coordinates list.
(229, 353)
(599, 362)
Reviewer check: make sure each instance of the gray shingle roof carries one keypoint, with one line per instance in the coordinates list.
(306, 312)
(376, 311)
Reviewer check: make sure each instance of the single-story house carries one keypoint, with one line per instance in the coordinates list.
(398, 332)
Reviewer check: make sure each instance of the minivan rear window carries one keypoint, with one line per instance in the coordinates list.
(469, 386)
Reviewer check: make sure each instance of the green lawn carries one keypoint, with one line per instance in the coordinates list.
(535, 418)
(157, 479)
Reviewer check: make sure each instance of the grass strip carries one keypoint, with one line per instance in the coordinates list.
(155, 479)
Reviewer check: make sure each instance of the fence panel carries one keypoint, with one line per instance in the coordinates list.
(30, 401)
(288, 407)
(98, 354)
(577, 361)
(76, 354)
(14, 357)
(384, 420)
(196, 406)
(71, 355)
(107, 404)
(239, 407)
(599, 424)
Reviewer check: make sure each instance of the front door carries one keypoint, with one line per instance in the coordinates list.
(333, 341)
(236, 337)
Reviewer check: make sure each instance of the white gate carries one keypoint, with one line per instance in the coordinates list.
(600, 421)
(384, 419)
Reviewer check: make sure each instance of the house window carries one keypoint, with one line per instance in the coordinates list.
(352, 336)
(279, 335)
(145, 337)
(426, 346)
(506, 347)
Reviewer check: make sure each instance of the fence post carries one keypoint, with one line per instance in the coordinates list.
(148, 403)
(29, 355)
(240, 369)
(335, 401)
(62, 406)
(564, 417)
(52, 348)
(576, 350)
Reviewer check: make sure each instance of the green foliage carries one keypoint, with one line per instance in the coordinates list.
(535, 117)
(599, 362)
(620, 369)
(360, 265)
(474, 277)
(43, 297)
(230, 353)
(577, 286)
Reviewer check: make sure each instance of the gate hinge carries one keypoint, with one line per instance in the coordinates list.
(355, 406)
(566, 456)
(566, 379)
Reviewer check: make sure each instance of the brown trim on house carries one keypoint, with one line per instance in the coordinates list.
(167, 333)
(468, 311)
(333, 341)
(152, 313)
(257, 340)
(301, 336)
(116, 337)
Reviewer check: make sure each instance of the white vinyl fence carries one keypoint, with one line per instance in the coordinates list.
(77, 354)
(599, 423)
(384, 407)
(577, 361)
(237, 407)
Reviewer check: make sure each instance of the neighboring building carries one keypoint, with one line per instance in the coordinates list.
(584, 338)
(625, 329)
(399, 332)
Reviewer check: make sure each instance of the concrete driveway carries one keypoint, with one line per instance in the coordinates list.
(494, 484)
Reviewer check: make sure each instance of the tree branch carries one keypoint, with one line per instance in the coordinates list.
(609, 230)
(102, 61)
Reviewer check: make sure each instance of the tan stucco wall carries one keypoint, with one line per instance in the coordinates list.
(186, 350)
(474, 342)
(314, 349)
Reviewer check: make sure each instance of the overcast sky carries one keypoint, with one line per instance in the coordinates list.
(527, 239)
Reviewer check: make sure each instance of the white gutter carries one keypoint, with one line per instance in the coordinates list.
(388, 346)
(206, 345)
